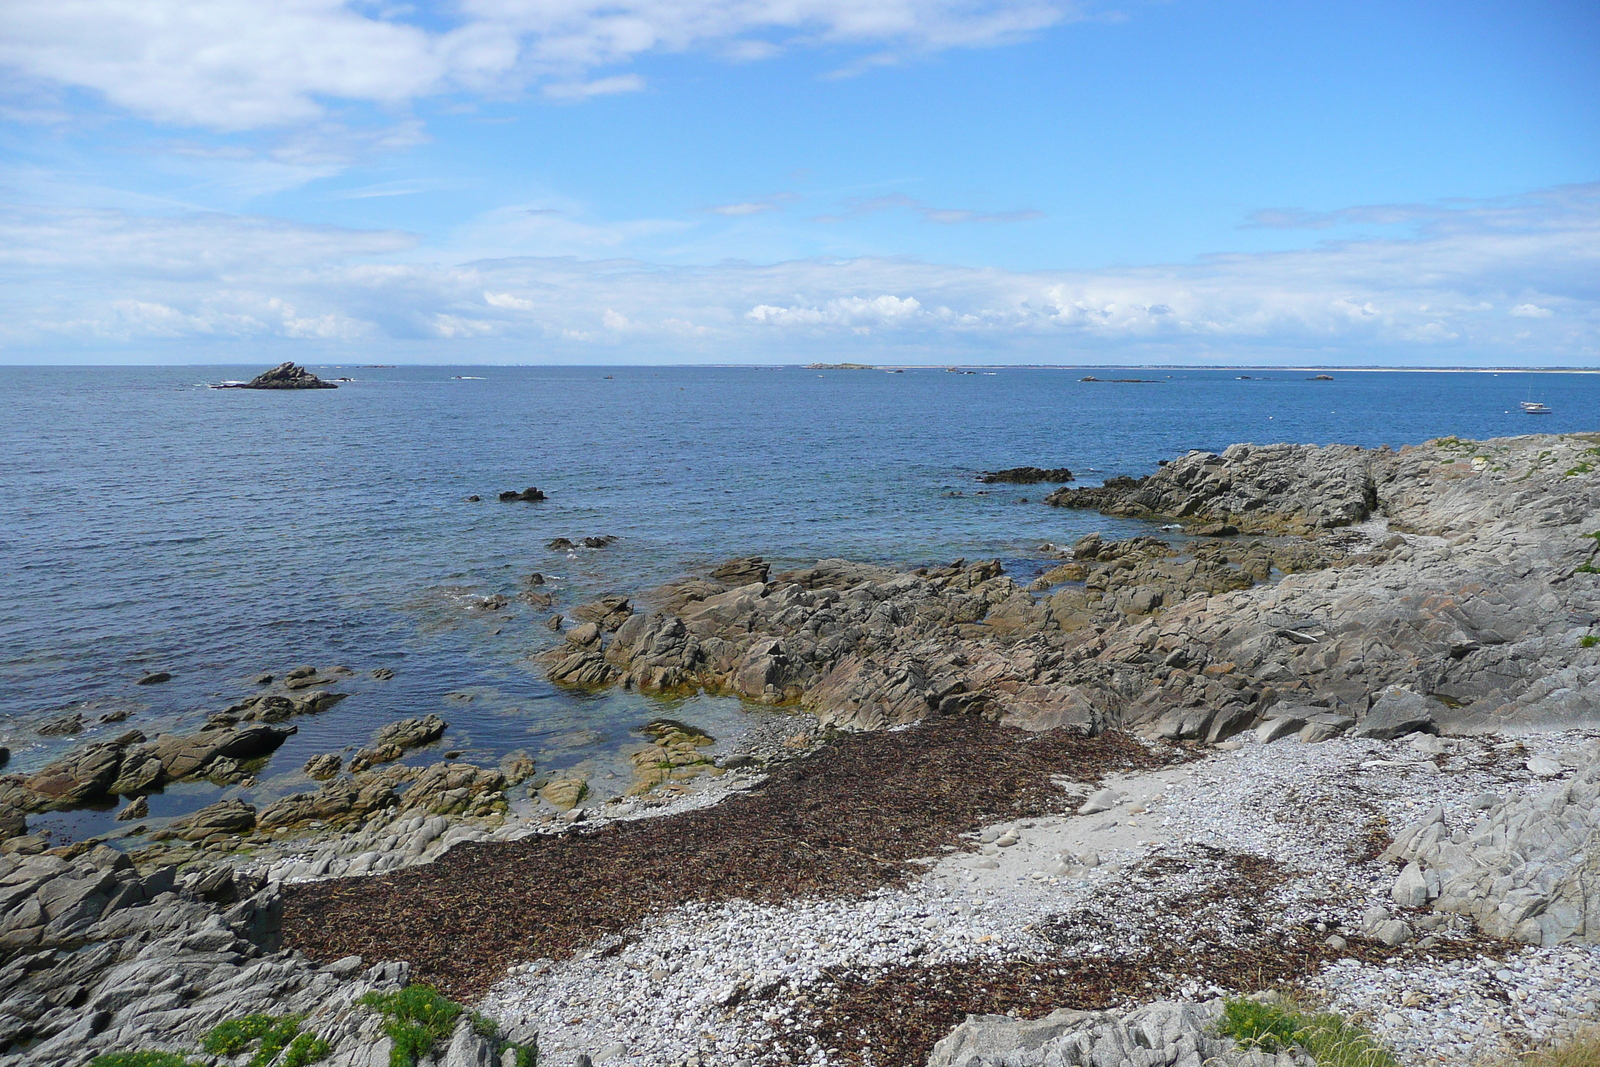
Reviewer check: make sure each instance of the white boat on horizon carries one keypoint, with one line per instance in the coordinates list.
(1533, 407)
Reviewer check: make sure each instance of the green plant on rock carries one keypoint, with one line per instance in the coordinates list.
(304, 1049)
(1267, 1027)
(1589, 640)
(277, 1034)
(1327, 1037)
(418, 1017)
(143, 1059)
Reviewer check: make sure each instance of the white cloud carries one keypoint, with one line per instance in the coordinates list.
(1476, 285)
(245, 64)
(224, 64)
(508, 302)
(852, 311)
(755, 206)
(621, 83)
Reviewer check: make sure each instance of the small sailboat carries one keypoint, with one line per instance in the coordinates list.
(1533, 407)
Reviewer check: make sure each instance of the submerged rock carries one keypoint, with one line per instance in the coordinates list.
(1026, 475)
(391, 742)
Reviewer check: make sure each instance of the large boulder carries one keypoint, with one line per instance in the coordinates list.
(230, 816)
(83, 775)
(608, 613)
(183, 756)
(1399, 711)
(336, 801)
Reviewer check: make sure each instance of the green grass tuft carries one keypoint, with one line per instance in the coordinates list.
(1589, 640)
(418, 1017)
(1256, 1025)
(304, 1049)
(141, 1059)
(1328, 1038)
(277, 1034)
(233, 1036)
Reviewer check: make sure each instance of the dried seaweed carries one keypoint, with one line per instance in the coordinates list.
(893, 1017)
(839, 822)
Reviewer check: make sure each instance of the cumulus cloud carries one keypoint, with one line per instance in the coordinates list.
(245, 64)
(1496, 281)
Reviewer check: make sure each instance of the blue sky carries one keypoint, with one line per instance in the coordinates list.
(991, 181)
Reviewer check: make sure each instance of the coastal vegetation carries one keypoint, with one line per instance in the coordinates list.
(1328, 1038)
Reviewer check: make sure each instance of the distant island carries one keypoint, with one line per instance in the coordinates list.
(840, 366)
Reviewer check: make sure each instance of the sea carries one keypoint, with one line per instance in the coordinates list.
(149, 522)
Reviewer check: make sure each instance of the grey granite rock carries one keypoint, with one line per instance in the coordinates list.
(1162, 1034)
(1398, 711)
(1528, 869)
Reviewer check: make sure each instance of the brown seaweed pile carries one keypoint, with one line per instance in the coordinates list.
(842, 821)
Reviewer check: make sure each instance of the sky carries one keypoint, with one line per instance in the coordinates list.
(775, 181)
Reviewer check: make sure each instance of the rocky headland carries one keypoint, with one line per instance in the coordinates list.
(1329, 727)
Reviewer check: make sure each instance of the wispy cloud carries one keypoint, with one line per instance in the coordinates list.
(620, 83)
(1498, 281)
(944, 216)
(757, 206)
(249, 64)
(1372, 214)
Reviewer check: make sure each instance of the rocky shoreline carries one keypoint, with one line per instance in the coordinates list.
(1341, 722)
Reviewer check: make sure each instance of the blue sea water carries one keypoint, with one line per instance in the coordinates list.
(148, 522)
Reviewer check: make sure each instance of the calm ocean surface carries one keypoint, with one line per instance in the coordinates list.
(150, 523)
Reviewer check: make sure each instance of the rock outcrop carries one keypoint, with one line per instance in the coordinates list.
(1528, 869)
(1162, 1034)
(133, 766)
(284, 376)
(96, 957)
(1470, 592)
(1257, 488)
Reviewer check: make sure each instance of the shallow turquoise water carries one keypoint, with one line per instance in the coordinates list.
(148, 522)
